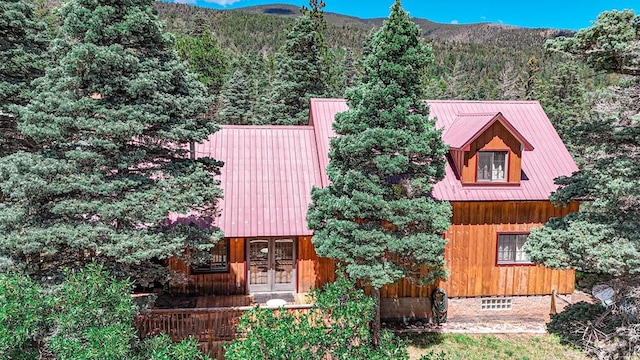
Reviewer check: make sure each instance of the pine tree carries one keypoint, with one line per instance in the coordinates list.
(109, 122)
(299, 75)
(205, 58)
(604, 237)
(377, 216)
(563, 97)
(22, 59)
(236, 101)
(351, 73)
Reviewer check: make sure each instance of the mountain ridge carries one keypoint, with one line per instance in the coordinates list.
(282, 15)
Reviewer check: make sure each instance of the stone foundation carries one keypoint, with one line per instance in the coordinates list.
(523, 309)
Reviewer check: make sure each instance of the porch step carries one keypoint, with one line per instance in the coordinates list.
(262, 298)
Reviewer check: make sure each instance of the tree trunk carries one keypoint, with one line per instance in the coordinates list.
(375, 324)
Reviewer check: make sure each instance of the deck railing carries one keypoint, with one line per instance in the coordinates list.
(211, 326)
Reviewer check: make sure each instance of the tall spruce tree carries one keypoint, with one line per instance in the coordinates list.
(563, 97)
(22, 47)
(378, 216)
(299, 75)
(205, 58)
(604, 237)
(235, 100)
(109, 122)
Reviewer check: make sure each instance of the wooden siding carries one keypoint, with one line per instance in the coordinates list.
(496, 137)
(406, 288)
(313, 271)
(232, 282)
(470, 256)
(458, 157)
(471, 251)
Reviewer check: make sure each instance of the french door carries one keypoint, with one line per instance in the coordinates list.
(271, 265)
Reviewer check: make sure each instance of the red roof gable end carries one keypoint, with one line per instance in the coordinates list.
(466, 128)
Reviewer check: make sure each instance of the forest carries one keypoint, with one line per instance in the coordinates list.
(99, 98)
(470, 62)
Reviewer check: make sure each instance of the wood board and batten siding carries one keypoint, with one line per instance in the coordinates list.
(311, 271)
(472, 249)
(496, 138)
(232, 282)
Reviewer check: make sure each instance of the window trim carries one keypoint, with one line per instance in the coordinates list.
(196, 271)
(514, 263)
(506, 166)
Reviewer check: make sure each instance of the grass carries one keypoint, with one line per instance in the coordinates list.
(490, 347)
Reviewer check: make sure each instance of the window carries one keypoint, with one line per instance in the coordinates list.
(492, 166)
(510, 249)
(217, 261)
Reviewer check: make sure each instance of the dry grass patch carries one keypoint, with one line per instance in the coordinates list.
(490, 347)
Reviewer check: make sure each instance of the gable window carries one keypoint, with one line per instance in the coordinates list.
(492, 166)
(510, 249)
(217, 261)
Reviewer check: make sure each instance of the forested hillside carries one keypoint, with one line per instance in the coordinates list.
(272, 21)
(478, 61)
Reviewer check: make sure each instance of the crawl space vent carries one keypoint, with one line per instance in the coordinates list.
(496, 304)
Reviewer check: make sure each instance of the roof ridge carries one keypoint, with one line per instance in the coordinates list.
(485, 101)
(262, 127)
(328, 99)
(316, 99)
(492, 113)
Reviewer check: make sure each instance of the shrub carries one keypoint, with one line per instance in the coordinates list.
(337, 327)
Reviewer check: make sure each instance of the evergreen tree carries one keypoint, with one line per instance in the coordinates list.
(377, 216)
(563, 97)
(299, 75)
(205, 59)
(90, 315)
(236, 101)
(351, 73)
(604, 237)
(109, 123)
(21, 60)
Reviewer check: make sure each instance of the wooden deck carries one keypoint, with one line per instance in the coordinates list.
(213, 321)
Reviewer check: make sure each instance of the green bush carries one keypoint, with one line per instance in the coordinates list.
(88, 317)
(23, 311)
(336, 328)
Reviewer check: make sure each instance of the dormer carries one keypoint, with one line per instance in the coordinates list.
(486, 149)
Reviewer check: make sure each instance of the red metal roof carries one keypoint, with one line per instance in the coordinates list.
(269, 171)
(466, 128)
(267, 178)
(547, 161)
(321, 115)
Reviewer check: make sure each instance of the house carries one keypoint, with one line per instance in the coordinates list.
(503, 159)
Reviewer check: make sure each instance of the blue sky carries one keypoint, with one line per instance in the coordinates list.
(559, 14)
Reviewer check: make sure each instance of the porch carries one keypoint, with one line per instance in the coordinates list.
(213, 320)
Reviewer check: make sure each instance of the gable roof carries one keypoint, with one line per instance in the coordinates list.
(266, 179)
(547, 161)
(466, 128)
(269, 171)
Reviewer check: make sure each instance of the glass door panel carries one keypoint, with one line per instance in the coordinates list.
(271, 265)
(283, 264)
(259, 265)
